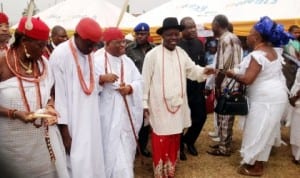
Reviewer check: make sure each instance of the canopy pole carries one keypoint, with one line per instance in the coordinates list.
(122, 12)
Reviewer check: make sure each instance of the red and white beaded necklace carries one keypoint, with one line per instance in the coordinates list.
(36, 80)
(107, 64)
(163, 82)
(84, 87)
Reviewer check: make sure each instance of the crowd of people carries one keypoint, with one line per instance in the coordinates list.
(70, 107)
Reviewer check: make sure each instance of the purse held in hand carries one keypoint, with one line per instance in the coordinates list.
(232, 102)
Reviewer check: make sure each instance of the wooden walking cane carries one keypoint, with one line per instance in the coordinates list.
(29, 26)
(132, 127)
(123, 96)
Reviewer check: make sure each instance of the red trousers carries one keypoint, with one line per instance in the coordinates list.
(165, 149)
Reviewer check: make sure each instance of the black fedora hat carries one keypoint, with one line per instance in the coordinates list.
(169, 23)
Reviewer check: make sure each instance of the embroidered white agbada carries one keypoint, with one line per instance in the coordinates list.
(267, 99)
(22, 146)
(177, 67)
(118, 137)
(79, 111)
(295, 120)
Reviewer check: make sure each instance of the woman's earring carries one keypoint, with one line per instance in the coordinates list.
(26, 52)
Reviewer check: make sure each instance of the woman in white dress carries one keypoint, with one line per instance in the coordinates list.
(31, 145)
(294, 114)
(267, 93)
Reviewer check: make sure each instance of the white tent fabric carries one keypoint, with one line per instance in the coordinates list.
(242, 13)
(252, 10)
(68, 13)
(201, 10)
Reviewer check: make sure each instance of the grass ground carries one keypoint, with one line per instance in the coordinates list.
(207, 166)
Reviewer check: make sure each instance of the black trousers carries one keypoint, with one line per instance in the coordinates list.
(143, 136)
(198, 114)
(193, 132)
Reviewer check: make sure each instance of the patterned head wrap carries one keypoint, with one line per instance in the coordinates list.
(272, 32)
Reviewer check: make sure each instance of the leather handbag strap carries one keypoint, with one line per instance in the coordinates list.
(231, 84)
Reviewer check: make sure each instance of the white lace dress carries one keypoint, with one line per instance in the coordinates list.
(23, 149)
(268, 99)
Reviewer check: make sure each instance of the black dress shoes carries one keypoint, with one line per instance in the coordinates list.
(192, 150)
(146, 153)
(182, 156)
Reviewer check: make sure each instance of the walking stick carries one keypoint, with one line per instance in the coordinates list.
(132, 127)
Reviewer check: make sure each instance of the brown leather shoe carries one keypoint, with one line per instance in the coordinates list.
(251, 170)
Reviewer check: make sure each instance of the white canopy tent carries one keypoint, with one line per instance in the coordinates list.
(243, 14)
(201, 10)
(252, 10)
(68, 13)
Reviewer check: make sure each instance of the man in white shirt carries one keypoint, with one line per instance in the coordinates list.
(76, 100)
(121, 93)
(165, 70)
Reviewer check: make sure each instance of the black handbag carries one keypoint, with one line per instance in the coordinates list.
(232, 102)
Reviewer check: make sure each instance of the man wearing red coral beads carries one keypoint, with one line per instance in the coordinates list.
(76, 100)
(165, 70)
(121, 92)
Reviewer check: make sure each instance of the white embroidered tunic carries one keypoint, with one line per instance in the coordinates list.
(79, 111)
(120, 144)
(164, 74)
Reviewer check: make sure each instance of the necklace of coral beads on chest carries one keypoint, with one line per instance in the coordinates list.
(86, 90)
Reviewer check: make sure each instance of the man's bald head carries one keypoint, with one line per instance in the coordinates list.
(185, 20)
(58, 34)
(190, 30)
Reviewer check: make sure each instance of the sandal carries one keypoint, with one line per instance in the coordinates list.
(248, 171)
(216, 146)
(218, 152)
